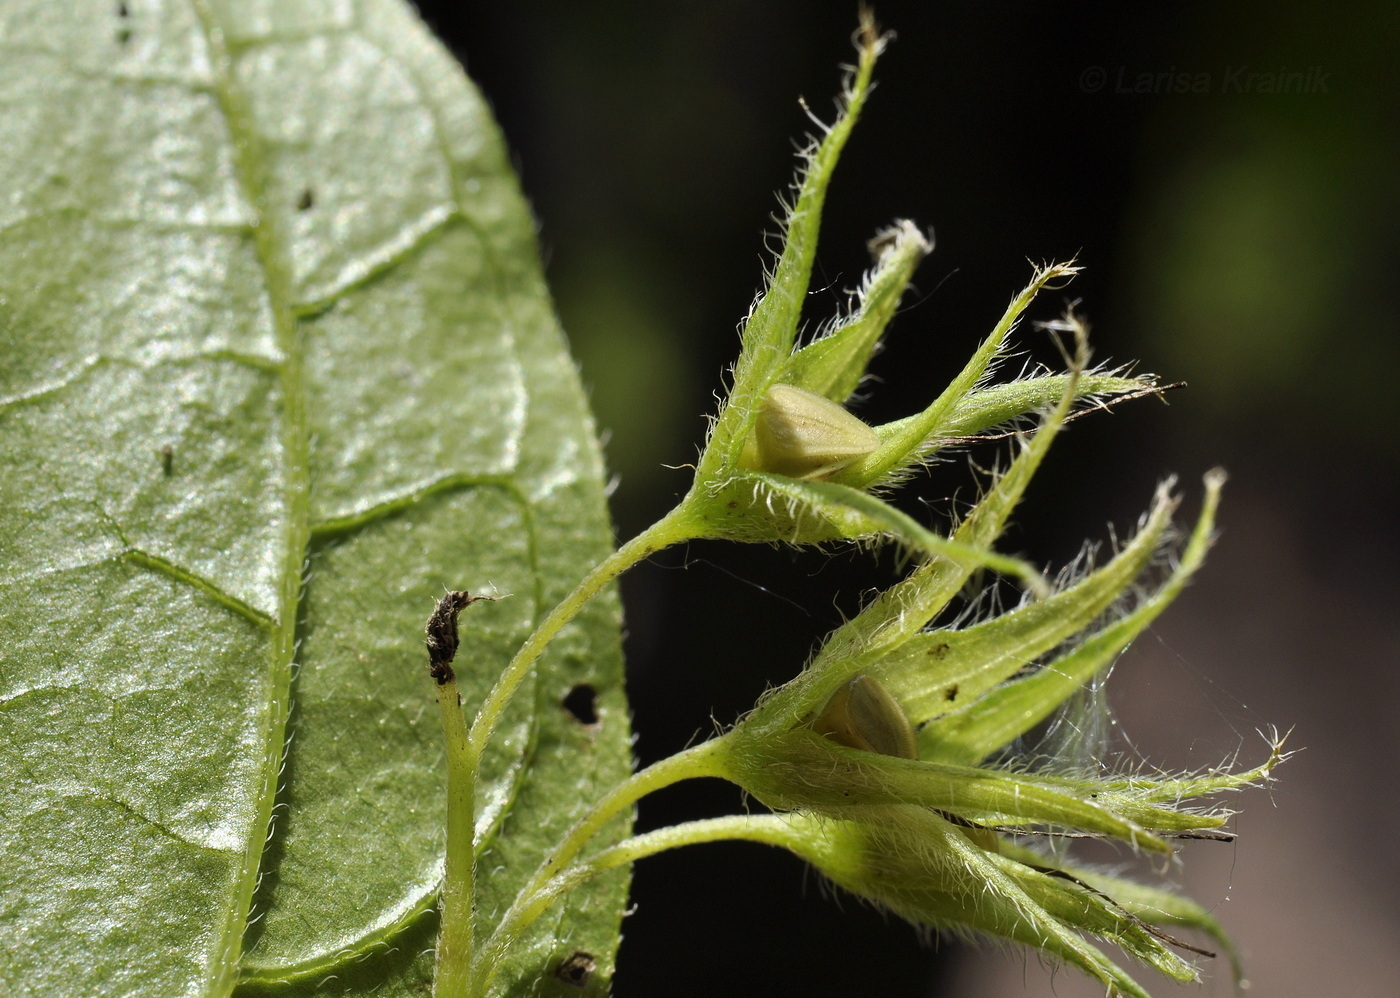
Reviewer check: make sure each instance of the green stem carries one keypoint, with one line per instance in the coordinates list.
(454, 950)
(674, 527)
(905, 528)
(692, 763)
(768, 829)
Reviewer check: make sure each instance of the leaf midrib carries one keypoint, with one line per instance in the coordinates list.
(250, 170)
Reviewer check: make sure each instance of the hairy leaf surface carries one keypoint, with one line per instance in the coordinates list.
(279, 366)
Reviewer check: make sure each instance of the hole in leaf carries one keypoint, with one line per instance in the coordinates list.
(582, 703)
(577, 969)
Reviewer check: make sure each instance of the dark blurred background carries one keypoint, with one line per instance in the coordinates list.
(1242, 240)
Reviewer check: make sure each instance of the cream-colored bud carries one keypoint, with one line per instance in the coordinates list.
(803, 435)
(862, 715)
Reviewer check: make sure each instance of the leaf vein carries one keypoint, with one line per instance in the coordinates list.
(422, 905)
(164, 566)
(272, 253)
(165, 830)
(385, 508)
(90, 365)
(411, 239)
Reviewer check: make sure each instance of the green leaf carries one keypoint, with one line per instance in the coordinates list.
(799, 770)
(771, 328)
(1156, 906)
(854, 514)
(923, 868)
(904, 609)
(904, 441)
(971, 734)
(997, 405)
(1002, 405)
(939, 670)
(279, 367)
(832, 365)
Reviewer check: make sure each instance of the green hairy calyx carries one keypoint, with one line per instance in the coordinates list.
(888, 761)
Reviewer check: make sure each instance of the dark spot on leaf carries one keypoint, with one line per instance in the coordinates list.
(951, 693)
(577, 969)
(307, 200)
(582, 703)
(938, 650)
(167, 460)
(124, 32)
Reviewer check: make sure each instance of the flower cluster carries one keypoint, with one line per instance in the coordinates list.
(886, 753)
(888, 762)
(886, 756)
(785, 461)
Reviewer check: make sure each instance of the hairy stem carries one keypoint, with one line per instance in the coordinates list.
(454, 951)
(671, 529)
(769, 829)
(692, 763)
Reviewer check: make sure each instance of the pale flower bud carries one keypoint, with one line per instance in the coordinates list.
(803, 435)
(863, 715)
